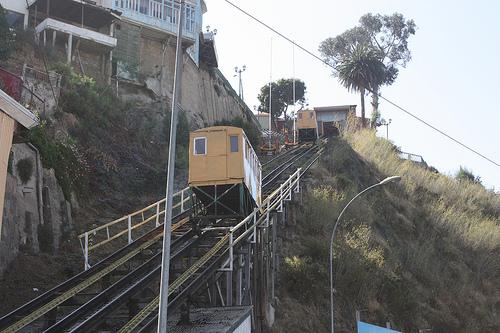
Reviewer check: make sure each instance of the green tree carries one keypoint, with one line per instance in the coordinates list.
(387, 35)
(6, 36)
(465, 174)
(282, 96)
(360, 70)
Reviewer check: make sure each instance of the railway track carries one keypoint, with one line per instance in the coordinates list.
(303, 156)
(84, 302)
(48, 303)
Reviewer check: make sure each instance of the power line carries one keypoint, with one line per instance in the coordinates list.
(382, 97)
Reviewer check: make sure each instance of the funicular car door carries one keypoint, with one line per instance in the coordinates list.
(235, 155)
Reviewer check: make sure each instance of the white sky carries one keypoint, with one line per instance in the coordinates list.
(451, 82)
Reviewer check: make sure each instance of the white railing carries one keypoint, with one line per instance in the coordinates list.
(248, 227)
(160, 12)
(411, 157)
(124, 227)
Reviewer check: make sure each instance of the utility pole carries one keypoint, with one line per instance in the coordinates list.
(238, 72)
(271, 97)
(294, 102)
(167, 224)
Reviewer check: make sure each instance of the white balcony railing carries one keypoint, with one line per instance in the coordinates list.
(160, 14)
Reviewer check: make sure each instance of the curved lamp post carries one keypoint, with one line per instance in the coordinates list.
(383, 182)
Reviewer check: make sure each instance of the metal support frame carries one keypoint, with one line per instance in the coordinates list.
(216, 198)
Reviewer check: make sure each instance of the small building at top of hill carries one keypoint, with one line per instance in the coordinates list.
(332, 119)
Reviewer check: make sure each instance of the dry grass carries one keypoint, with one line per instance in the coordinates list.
(465, 209)
(424, 253)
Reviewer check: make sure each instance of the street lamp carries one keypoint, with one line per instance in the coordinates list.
(387, 180)
(386, 124)
(238, 72)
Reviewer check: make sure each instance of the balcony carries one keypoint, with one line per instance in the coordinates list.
(162, 15)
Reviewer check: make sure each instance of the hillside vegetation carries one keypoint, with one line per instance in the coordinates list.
(421, 254)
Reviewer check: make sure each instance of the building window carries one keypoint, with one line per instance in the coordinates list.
(300, 115)
(190, 18)
(311, 114)
(233, 139)
(200, 146)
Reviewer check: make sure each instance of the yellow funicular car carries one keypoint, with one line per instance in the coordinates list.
(224, 173)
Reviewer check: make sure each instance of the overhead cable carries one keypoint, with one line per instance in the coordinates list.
(382, 97)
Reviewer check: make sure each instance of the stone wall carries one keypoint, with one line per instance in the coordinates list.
(36, 214)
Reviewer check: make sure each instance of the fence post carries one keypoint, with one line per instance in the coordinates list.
(254, 236)
(280, 209)
(231, 251)
(158, 214)
(129, 229)
(182, 201)
(297, 187)
(86, 252)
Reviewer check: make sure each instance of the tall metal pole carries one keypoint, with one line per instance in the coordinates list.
(167, 224)
(271, 95)
(294, 104)
(238, 72)
(241, 87)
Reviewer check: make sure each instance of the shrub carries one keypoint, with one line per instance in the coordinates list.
(466, 175)
(25, 169)
(62, 156)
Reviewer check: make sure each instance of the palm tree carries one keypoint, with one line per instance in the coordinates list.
(361, 70)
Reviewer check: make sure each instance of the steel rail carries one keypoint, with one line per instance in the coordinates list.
(148, 309)
(75, 285)
(277, 157)
(281, 169)
(282, 166)
(142, 281)
(193, 286)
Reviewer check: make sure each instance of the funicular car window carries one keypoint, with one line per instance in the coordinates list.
(234, 143)
(200, 146)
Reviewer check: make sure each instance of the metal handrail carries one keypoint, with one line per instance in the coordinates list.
(88, 237)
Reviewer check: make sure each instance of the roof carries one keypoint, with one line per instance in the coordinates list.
(220, 320)
(95, 16)
(97, 37)
(336, 108)
(217, 128)
(16, 111)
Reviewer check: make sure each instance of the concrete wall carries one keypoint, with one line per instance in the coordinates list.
(36, 214)
(206, 94)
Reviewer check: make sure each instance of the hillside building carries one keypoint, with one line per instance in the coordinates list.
(13, 116)
(332, 119)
